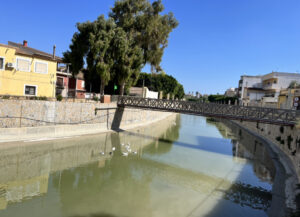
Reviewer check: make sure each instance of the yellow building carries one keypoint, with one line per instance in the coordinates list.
(25, 71)
(289, 99)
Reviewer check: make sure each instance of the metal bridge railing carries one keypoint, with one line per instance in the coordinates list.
(257, 114)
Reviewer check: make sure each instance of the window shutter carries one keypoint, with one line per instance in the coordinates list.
(41, 68)
(23, 65)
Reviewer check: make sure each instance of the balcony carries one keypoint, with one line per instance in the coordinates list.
(270, 84)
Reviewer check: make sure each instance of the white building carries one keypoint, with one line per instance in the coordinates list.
(264, 90)
(250, 87)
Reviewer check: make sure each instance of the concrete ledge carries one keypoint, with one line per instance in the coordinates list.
(26, 133)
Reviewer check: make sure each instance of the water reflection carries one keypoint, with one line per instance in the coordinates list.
(171, 170)
(25, 167)
(246, 146)
(247, 195)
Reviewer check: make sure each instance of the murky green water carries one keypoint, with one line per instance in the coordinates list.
(184, 166)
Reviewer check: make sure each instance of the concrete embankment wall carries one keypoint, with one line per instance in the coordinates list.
(286, 138)
(284, 143)
(28, 119)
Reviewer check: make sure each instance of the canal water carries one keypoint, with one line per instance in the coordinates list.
(182, 166)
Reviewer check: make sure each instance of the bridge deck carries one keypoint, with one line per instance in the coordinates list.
(256, 114)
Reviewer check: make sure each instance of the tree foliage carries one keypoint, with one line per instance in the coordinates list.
(92, 44)
(294, 84)
(117, 48)
(144, 22)
(128, 58)
(221, 98)
(160, 82)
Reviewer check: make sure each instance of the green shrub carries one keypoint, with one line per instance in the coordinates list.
(95, 98)
(5, 97)
(59, 97)
(42, 98)
(33, 98)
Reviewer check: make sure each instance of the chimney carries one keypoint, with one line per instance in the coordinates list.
(54, 48)
(25, 43)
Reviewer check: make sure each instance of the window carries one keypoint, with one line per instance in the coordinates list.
(82, 84)
(30, 90)
(275, 82)
(2, 63)
(60, 82)
(23, 65)
(41, 67)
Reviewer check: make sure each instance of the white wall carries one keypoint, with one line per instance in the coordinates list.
(255, 96)
(250, 82)
(284, 80)
(151, 94)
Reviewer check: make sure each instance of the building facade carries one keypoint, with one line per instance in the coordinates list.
(25, 71)
(289, 99)
(264, 90)
(62, 80)
(76, 87)
(244, 89)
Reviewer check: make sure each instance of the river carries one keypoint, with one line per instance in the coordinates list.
(182, 166)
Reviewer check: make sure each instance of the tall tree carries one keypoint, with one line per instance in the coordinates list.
(101, 58)
(149, 28)
(128, 58)
(92, 45)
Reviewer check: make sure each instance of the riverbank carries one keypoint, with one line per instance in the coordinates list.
(286, 162)
(33, 119)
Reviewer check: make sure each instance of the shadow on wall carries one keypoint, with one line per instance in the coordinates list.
(115, 125)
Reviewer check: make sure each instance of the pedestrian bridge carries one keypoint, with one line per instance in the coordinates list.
(234, 112)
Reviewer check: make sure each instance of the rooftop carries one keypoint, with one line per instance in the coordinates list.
(283, 74)
(23, 49)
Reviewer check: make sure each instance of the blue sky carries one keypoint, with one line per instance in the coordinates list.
(216, 40)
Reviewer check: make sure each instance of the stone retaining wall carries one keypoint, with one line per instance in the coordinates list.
(23, 119)
(31, 113)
